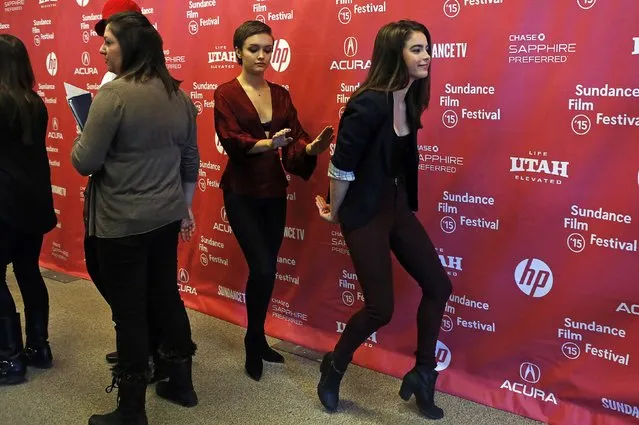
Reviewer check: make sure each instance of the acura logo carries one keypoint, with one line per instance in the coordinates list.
(56, 124)
(183, 276)
(86, 59)
(530, 372)
(350, 46)
(223, 214)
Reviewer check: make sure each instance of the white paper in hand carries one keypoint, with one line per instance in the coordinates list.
(73, 91)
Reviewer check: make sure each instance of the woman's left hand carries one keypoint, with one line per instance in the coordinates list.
(321, 142)
(187, 227)
(324, 210)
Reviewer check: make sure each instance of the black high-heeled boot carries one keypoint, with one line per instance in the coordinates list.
(420, 381)
(13, 368)
(37, 350)
(270, 355)
(328, 387)
(253, 361)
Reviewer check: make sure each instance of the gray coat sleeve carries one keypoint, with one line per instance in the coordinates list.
(90, 149)
(190, 160)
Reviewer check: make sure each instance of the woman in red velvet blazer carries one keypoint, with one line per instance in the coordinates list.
(258, 127)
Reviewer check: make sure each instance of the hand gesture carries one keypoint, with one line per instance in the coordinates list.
(280, 139)
(187, 227)
(321, 142)
(325, 210)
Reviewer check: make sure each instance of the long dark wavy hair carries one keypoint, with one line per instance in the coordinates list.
(17, 81)
(389, 72)
(142, 50)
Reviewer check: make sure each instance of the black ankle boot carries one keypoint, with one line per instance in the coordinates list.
(12, 365)
(131, 402)
(420, 381)
(37, 349)
(179, 388)
(253, 362)
(328, 387)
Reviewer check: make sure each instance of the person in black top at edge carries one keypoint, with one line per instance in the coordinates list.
(373, 188)
(26, 212)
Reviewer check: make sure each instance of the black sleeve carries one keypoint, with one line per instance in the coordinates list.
(361, 120)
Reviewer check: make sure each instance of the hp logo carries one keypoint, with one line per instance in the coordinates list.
(218, 145)
(534, 277)
(52, 64)
(281, 57)
(443, 356)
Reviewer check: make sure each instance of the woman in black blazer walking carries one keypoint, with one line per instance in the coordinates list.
(26, 212)
(373, 189)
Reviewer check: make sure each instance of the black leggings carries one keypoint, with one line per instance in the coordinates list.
(140, 273)
(258, 225)
(395, 228)
(23, 250)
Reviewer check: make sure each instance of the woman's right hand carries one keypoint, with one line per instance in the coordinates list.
(325, 210)
(280, 139)
(187, 227)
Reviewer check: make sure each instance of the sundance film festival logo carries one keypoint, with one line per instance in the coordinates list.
(533, 277)
(586, 4)
(52, 64)
(82, 3)
(281, 56)
(345, 15)
(453, 7)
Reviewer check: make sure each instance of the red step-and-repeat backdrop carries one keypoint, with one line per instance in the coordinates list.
(529, 183)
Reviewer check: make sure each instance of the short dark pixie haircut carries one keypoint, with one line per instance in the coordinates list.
(246, 30)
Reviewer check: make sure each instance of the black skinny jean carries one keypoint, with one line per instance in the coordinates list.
(394, 229)
(258, 225)
(23, 250)
(140, 275)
